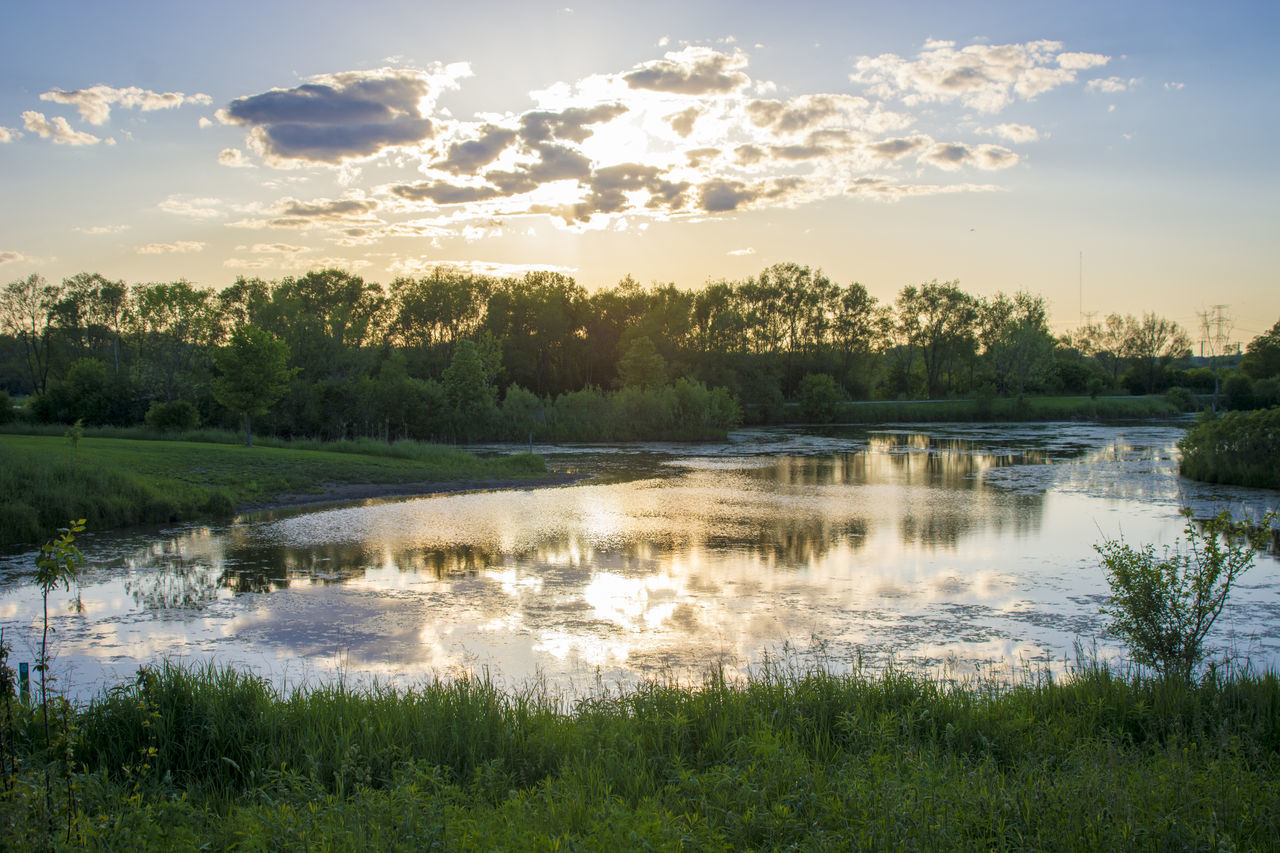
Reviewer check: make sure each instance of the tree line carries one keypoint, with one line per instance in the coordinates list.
(452, 355)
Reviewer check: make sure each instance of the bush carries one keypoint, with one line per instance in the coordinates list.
(819, 395)
(1240, 448)
(1163, 607)
(178, 416)
(7, 412)
(1182, 398)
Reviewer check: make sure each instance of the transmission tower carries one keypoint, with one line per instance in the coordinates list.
(1215, 334)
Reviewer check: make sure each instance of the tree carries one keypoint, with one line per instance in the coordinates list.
(471, 398)
(1152, 343)
(1017, 344)
(26, 312)
(1163, 608)
(254, 373)
(642, 366)
(1262, 355)
(938, 319)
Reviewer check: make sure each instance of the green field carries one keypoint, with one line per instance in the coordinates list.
(808, 761)
(115, 482)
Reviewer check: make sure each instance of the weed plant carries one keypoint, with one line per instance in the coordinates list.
(1100, 759)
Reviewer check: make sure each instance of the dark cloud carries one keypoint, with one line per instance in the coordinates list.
(609, 188)
(799, 152)
(345, 115)
(693, 71)
(682, 122)
(698, 156)
(569, 125)
(558, 163)
(443, 193)
(465, 158)
(327, 208)
(511, 183)
(892, 149)
(720, 196)
(749, 155)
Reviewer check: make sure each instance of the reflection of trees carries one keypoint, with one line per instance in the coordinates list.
(803, 541)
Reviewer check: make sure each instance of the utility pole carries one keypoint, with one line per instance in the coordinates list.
(1215, 330)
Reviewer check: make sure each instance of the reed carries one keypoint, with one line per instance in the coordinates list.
(1098, 759)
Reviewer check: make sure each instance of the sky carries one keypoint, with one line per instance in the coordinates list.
(1108, 156)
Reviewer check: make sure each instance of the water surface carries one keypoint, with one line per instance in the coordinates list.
(968, 548)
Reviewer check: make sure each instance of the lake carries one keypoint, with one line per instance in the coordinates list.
(953, 548)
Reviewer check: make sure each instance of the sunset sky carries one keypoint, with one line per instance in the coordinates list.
(1129, 147)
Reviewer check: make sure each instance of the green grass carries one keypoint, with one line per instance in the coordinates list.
(1007, 409)
(116, 482)
(811, 760)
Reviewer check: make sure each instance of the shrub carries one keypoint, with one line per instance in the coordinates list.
(818, 396)
(1182, 398)
(178, 416)
(1163, 607)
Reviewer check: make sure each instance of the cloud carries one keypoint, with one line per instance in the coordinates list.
(465, 158)
(11, 257)
(338, 117)
(893, 149)
(952, 156)
(102, 229)
(341, 208)
(8, 134)
(234, 158)
(205, 122)
(617, 188)
(984, 77)
(277, 249)
(723, 196)
(568, 125)
(1109, 85)
(807, 111)
(197, 208)
(346, 212)
(441, 192)
(179, 247)
(692, 71)
(56, 129)
(1173, 86)
(1016, 133)
(94, 104)
(682, 122)
(741, 252)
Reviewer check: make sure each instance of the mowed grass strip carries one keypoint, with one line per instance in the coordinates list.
(114, 482)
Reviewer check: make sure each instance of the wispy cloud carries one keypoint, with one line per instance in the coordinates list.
(1109, 85)
(235, 159)
(741, 252)
(8, 257)
(94, 104)
(102, 229)
(984, 77)
(196, 208)
(178, 247)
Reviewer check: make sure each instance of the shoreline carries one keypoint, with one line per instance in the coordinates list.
(334, 493)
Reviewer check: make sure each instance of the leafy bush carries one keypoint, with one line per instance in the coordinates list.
(1240, 448)
(819, 395)
(178, 416)
(1182, 398)
(1163, 607)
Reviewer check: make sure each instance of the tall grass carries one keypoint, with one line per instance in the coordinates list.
(814, 760)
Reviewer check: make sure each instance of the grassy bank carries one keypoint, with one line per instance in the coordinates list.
(1006, 409)
(115, 482)
(810, 761)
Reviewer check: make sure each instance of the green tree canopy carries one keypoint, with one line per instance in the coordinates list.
(253, 372)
